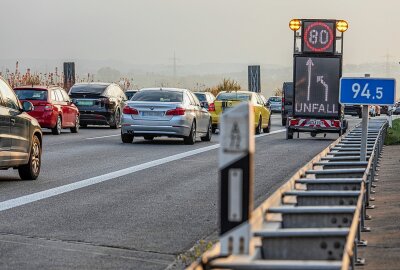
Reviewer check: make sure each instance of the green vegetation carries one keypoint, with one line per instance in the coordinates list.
(393, 134)
(195, 252)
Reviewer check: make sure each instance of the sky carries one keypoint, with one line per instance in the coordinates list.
(148, 32)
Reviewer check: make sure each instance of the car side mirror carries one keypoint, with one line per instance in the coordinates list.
(27, 106)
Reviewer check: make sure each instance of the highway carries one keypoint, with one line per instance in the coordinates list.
(101, 204)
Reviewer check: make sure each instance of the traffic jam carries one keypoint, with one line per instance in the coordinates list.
(100, 171)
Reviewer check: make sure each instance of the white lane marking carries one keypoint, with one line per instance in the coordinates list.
(34, 197)
(93, 138)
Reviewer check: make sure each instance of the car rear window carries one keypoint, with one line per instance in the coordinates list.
(158, 96)
(275, 99)
(97, 89)
(201, 97)
(234, 96)
(31, 94)
(129, 95)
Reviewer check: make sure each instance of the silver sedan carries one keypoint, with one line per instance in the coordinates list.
(171, 112)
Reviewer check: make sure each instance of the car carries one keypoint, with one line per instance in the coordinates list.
(353, 110)
(385, 110)
(130, 93)
(170, 112)
(287, 101)
(98, 103)
(20, 136)
(53, 107)
(207, 100)
(228, 99)
(275, 103)
(396, 108)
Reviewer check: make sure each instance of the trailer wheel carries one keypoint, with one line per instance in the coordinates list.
(289, 134)
(313, 134)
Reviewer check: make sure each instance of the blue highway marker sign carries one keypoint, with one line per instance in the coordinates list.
(367, 91)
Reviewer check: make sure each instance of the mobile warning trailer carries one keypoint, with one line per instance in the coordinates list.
(317, 69)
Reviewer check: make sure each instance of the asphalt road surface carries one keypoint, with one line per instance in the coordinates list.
(101, 204)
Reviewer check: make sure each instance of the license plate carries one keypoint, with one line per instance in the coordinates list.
(84, 102)
(151, 113)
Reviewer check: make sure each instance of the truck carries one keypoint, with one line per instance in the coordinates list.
(317, 69)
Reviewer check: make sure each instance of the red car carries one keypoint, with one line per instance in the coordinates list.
(52, 107)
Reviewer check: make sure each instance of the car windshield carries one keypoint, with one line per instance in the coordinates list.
(201, 97)
(97, 89)
(275, 99)
(234, 96)
(158, 96)
(31, 94)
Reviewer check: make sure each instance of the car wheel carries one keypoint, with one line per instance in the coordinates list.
(313, 134)
(126, 138)
(75, 129)
(258, 128)
(31, 170)
(191, 139)
(283, 122)
(148, 138)
(289, 134)
(117, 120)
(268, 128)
(207, 138)
(57, 129)
(214, 129)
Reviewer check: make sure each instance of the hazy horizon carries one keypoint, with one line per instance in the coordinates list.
(148, 32)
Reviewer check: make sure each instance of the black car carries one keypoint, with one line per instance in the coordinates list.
(20, 135)
(130, 93)
(98, 103)
(354, 110)
(206, 99)
(287, 101)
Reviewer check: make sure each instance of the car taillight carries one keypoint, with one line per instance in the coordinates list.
(177, 111)
(129, 110)
(211, 107)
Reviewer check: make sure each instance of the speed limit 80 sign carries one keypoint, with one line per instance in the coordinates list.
(319, 36)
(367, 91)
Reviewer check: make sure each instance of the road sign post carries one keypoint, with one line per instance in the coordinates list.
(367, 91)
(236, 178)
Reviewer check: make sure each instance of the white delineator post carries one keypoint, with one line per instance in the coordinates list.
(364, 134)
(236, 173)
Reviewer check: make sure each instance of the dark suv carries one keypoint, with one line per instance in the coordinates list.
(98, 103)
(20, 135)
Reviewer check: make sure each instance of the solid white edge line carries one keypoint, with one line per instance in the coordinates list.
(19, 201)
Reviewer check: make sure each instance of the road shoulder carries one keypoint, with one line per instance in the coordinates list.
(383, 250)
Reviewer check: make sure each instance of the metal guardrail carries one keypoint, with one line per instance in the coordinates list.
(314, 220)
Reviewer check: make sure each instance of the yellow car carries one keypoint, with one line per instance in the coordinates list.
(228, 99)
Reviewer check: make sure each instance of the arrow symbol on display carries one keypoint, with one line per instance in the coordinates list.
(309, 63)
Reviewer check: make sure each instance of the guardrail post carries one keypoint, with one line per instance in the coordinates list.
(236, 178)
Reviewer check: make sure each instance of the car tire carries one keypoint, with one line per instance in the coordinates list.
(31, 170)
(258, 128)
(57, 129)
(148, 138)
(268, 128)
(75, 129)
(289, 134)
(126, 138)
(117, 120)
(207, 138)
(284, 121)
(191, 139)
